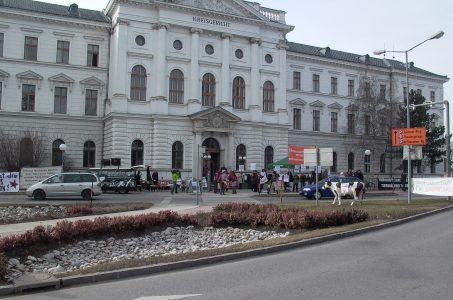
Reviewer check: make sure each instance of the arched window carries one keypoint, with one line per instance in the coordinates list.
(57, 154)
(382, 163)
(334, 167)
(241, 153)
(176, 93)
(89, 154)
(138, 83)
(367, 163)
(208, 90)
(26, 153)
(268, 96)
(239, 93)
(137, 153)
(177, 155)
(268, 156)
(350, 161)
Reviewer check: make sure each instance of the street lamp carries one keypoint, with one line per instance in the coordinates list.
(62, 148)
(437, 35)
(367, 161)
(242, 159)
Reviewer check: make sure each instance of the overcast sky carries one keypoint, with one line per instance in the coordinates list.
(361, 27)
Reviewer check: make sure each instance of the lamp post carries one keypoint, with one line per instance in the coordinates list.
(62, 148)
(438, 35)
(367, 161)
(242, 160)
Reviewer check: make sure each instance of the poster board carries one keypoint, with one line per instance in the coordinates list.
(9, 182)
(30, 176)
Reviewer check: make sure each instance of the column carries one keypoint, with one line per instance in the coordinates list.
(255, 83)
(230, 152)
(281, 105)
(196, 163)
(160, 104)
(225, 99)
(194, 104)
(118, 67)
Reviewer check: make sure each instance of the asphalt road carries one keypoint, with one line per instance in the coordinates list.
(410, 261)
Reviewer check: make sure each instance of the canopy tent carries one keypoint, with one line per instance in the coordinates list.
(283, 163)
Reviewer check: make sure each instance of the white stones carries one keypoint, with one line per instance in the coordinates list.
(57, 269)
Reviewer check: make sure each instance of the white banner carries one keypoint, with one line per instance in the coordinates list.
(30, 176)
(9, 182)
(433, 186)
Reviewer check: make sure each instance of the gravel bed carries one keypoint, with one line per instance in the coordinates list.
(14, 214)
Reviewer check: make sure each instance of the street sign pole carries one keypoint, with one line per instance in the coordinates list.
(316, 176)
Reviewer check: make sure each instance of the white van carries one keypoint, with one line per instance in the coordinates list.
(85, 185)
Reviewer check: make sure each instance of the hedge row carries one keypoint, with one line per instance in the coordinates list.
(238, 214)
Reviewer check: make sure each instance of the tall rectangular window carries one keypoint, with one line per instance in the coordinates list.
(60, 100)
(316, 83)
(351, 88)
(28, 97)
(93, 55)
(2, 41)
(367, 124)
(91, 102)
(432, 97)
(62, 52)
(367, 90)
(382, 91)
(333, 121)
(333, 85)
(405, 93)
(297, 114)
(31, 48)
(296, 80)
(316, 120)
(351, 125)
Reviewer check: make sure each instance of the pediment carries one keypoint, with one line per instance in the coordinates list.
(215, 117)
(4, 74)
(29, 75)
(297, 102)
(336, 106)
(317, 103)
(93, 81)
(61, 78)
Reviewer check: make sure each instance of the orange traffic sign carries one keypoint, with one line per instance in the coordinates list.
(409, 137)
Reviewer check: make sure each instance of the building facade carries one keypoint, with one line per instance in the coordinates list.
(161, 83)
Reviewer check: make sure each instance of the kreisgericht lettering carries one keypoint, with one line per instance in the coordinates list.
(211, 21)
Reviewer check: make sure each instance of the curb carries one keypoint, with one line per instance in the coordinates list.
(166, 267)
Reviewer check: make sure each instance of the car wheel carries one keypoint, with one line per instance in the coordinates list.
(122, 190)
(39, 195)
(319, 195)
(86, 195)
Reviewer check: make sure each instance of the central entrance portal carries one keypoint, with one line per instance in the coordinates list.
(210, 166)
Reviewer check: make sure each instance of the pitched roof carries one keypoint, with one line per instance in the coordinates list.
(55, 9)
(355, 58)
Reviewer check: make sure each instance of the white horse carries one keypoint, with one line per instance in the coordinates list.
(354, 189)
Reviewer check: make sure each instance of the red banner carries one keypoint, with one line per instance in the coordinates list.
(296, 154)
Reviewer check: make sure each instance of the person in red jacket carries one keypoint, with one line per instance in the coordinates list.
(233, 180)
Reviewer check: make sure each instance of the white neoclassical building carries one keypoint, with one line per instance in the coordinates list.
(163, 82)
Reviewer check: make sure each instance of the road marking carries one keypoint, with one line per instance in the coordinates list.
(170, 297)
(166, 200)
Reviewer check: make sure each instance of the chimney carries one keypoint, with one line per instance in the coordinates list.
(74, 10)
(411, 64)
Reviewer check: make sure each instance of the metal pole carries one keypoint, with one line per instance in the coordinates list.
(447, 123)
(316, 176)
(196, 177)
(408, 122)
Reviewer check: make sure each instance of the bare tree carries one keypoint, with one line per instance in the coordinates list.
(9, 154)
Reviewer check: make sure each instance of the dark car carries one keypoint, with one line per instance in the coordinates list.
(310, 189)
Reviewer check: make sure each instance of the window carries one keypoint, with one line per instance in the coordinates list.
(239, 93)
(177, 44)
(333, 121)
(239, 54)
(268, 58)
(140, 40)
(26, 153)
(382, 163)
(177, 153)
(138, 83)
(208, 90)
(268, 156)
(89, 154)
(28, 97)
(334, 168)
(367, 90)
(296, 80)
(316, 120)
(268, 96)
(316, 83)
(367, 124)
(209, 49)
(91, 102)
(57, 154)
(432, 97)
(351, 125)
(137, 153)
(176, 93)
(297, 114)
(351, 161)
(2, 41)
(405, 93)
(60, 100)
(62, 52)
(333, 85)
(351, 88)
(382, 91)
(31, 48)
(241, 155)
(92, 55)
(367, 163)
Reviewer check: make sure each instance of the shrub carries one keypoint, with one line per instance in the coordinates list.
(3, 266)
(79, 210)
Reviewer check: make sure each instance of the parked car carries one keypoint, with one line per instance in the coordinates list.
(310, 189)
(85, 185)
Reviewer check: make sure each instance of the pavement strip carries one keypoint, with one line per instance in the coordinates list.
(166, 200)
(170, 297)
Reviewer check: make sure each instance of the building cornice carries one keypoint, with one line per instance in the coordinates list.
(53, 65)
(37, 115)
